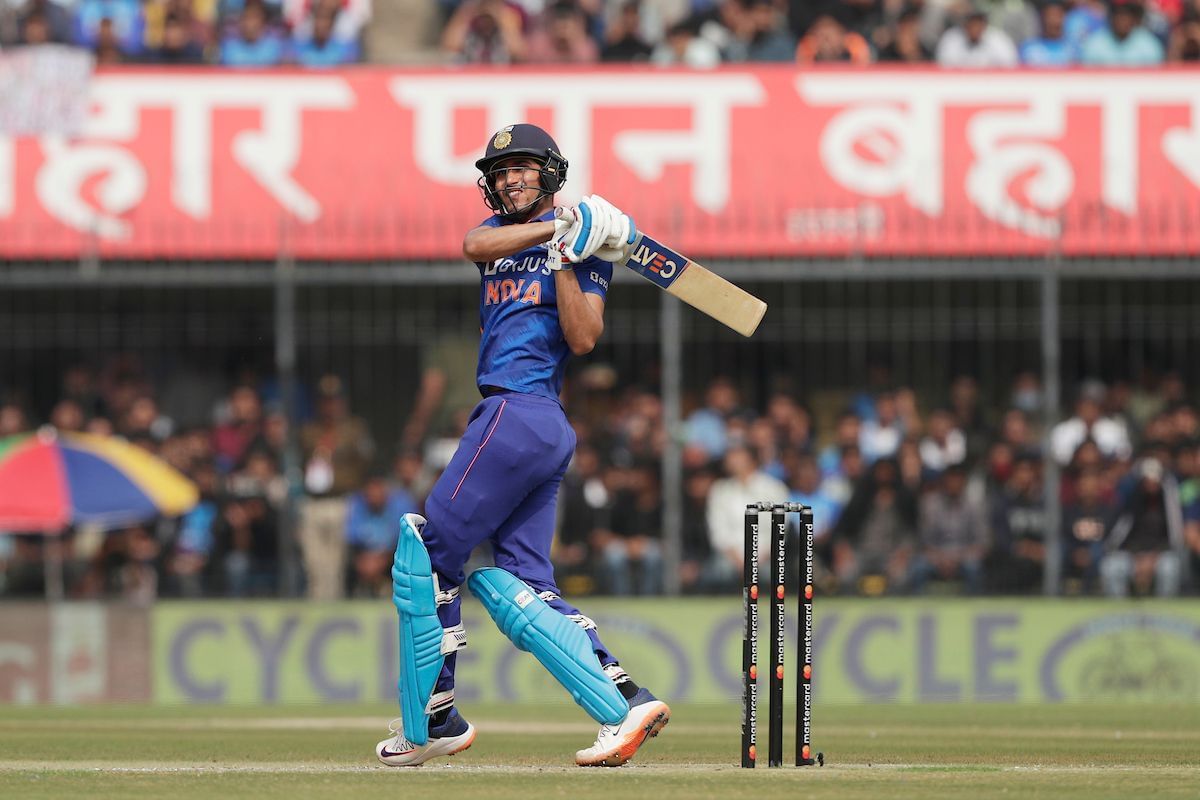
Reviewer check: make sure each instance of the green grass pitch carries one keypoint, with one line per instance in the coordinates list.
(876, 752)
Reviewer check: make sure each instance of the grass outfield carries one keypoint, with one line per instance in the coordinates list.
(880, 752)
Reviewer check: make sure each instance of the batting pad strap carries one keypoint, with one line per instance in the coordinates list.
(444, 597)
(559, 644)
(453, 639)
(440, 701)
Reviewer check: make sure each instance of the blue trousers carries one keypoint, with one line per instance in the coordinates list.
(501, 486)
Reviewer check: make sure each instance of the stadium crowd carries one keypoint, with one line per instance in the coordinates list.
(909, 496)
(235, 33)
(691, 33)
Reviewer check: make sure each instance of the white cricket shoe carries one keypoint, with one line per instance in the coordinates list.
(454, 736)
(616, 744)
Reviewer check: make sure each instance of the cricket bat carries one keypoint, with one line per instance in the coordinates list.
(695, 284)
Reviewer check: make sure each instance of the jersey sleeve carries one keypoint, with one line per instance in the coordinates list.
(594, 276)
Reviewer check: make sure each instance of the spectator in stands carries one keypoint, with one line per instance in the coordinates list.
(12, 418)
(1051, 48)
(241, 427)
(953, 535)
(1085, 524)
(177, 45)
(1184, 44)
(67, 415)
(684, 47)
(880, 436)
(808, 489)
(623, 40)
(1124, 42)
(976, 44)
(1089, 423)
(42, 22)
(1018, 552)
(828, 42)
(743, 483)
(904, 45)
(632, 556)
(1146, 544)
(706, 426)
(372, 528)
(113, 28)
(697, 549)
(485, 32)
(584, 506)
(350, 17)
(874, 539)
(319, 47)
(337, 449)
(255, 43)
(755, 30)
(188, 562)
(943, 445)
(561, 37)
(246, 535)
(108, 46)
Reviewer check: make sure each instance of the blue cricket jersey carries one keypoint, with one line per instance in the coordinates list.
(522, 347)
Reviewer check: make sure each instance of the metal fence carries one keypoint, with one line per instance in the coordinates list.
(834, 327)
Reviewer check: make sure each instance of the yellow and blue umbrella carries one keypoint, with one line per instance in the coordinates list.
(50, 480)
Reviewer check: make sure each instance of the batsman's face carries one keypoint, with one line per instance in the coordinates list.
(517, 181)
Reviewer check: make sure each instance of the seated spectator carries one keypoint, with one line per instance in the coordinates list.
(43, 22)
(240, 426)
(828, 42)
(372, 528)
(67, 415)
(1051, 48)
(246, 537)
(1184, 44)
(1085, 524)
(1085, 18)
(1124, 42)
(696, 549)
(319, 48)
(743, 484)
(1018, 514)
(188, 562)
(350, 17)
(198, 19)
(905, 45)
(706, 426)
(108, 45)
(953, 535)
(880, 437)
(874, 538)
(177, 46)
(683, 47)
(561, 37)
(943, 445)
(761, 34)
(584, 507)
(808, 489)
(632, 556)
(975, 44)
(111, 26)
(623, 40)
(255, 44)
(485, 32)
(1089, 423)
(1146, 544)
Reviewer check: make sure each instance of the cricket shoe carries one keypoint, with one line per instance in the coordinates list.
(452, 736)
(616, 744)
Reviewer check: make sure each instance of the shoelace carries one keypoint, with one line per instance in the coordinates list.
(396, 726)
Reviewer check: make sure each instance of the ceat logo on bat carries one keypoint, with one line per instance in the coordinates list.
(658, 263)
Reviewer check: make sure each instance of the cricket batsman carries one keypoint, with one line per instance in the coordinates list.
(544, 277)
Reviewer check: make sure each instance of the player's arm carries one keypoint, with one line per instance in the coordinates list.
(580, 313)
(485, 243)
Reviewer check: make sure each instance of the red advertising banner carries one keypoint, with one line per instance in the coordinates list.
(769, 161)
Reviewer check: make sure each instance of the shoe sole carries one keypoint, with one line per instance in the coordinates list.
(625, 751)
(453, 752)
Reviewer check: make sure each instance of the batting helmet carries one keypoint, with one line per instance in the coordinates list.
(521, 140)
